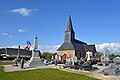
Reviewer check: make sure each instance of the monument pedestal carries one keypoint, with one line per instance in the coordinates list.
(35, 59)
(36, 62)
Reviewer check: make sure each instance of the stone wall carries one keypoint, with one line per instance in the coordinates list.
(69, 52)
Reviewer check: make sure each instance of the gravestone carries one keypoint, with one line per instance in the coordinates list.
(74, 60)
(22, 63)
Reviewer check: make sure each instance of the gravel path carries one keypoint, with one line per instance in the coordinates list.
(10, 68)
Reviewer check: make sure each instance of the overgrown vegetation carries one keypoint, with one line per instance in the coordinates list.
(42, 74)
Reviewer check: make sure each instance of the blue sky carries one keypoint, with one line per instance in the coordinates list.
(94, 21)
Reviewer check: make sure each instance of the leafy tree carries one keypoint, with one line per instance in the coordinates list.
(47, 55)
(117, 55)
(112, 56)
(98, 55)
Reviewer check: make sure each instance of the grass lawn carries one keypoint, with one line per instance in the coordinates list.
(42, 74)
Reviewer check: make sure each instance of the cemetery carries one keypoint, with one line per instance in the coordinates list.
(22, 70)
(74, 60)
(42, 74)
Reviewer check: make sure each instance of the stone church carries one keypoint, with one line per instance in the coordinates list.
(73, 47)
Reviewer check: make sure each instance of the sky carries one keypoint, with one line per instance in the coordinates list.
(94, 21)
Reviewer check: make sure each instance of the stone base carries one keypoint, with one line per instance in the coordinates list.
(35, 61)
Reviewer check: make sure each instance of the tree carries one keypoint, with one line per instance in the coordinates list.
(117, 55)
(98, 55)
(112, 56)
(47, 55)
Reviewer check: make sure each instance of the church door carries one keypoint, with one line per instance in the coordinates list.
(64, 58)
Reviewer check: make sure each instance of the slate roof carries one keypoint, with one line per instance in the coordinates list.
(74, 45)
(79, 42)
(90, 48)
(69, 27)
(2, 51)
(14, 52)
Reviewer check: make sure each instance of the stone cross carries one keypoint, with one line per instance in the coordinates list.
(88, 56)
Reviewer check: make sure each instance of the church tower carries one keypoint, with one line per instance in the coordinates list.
(72, 47)
(69, 33)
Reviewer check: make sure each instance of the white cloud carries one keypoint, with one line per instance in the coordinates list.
(14, 46)
(23, 11)
(51, 49)
(7, 35)
(21, 30)
(112, 47)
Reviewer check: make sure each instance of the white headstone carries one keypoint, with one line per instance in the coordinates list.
(68, 60)
(59, 58)
(52, 57)
(56, 57)
(75, 59)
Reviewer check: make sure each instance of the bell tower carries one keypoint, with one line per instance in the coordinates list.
(69, 33)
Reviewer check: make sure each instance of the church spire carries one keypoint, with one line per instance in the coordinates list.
(69, 33)
(69, 27)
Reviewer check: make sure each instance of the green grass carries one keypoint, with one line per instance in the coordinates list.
(1, 68)
(42, 74)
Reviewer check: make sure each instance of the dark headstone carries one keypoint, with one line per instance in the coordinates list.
(22, 63)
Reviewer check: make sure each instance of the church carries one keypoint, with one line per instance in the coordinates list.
(72, 47)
